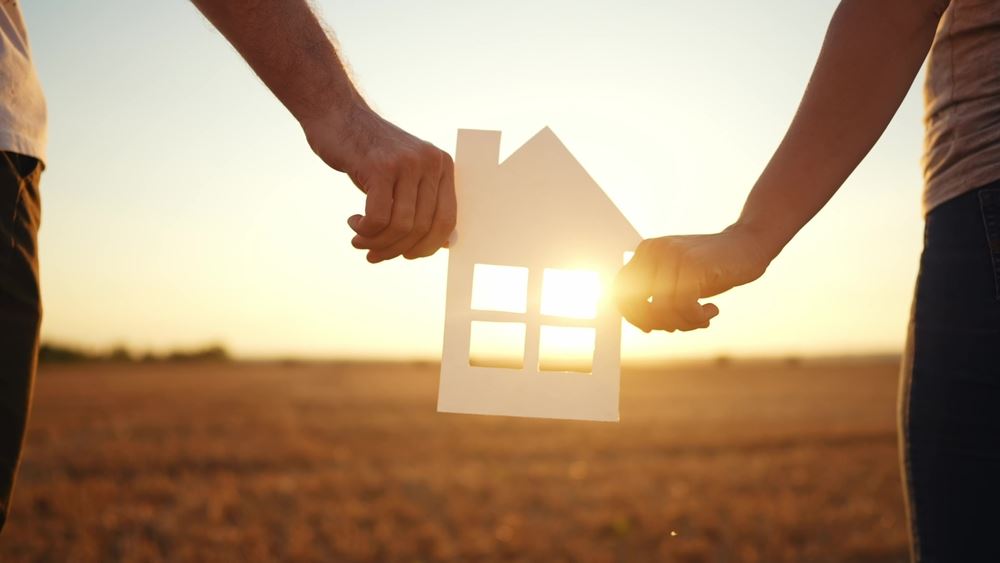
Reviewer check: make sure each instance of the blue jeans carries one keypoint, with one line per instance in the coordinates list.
(950, 385)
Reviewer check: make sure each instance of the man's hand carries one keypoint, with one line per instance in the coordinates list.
(659, 288)
(410, 184)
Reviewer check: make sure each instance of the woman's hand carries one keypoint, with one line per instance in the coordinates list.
(659, 288)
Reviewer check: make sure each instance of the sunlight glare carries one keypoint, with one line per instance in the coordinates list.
(570, 293)
(499, 288)
(566, 348)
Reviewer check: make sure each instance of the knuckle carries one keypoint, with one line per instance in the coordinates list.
(414, 160)
(403, 162)
(422, 226)
(430, 153)
(378, 222)
(402, 227)
(384, 166)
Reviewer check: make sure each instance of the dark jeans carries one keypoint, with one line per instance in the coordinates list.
(20, 308)
(950, 385)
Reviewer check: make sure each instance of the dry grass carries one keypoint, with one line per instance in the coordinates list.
(267, 462)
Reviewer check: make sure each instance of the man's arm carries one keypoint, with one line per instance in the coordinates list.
(872, 51)
(410, 208)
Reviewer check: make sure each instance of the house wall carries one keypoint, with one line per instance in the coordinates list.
(528, 392)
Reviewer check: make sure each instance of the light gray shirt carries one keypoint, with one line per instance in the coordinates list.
(22, 104)
(962, 95)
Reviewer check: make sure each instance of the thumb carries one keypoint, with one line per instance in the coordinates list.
(378, 210)
(710, 310)
(353, 222)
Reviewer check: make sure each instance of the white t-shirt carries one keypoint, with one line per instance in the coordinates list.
(22, 104)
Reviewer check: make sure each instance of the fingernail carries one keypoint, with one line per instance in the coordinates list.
(352, 221)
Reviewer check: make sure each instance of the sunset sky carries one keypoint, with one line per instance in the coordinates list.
(182, 205)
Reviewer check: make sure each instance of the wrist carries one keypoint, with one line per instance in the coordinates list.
(762, 235)
(342, 134)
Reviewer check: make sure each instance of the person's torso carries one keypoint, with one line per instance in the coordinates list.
(22, 104)
(962, 95)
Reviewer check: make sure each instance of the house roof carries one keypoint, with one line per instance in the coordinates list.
(539, 201)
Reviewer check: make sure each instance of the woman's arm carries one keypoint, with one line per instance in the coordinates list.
(872, 51)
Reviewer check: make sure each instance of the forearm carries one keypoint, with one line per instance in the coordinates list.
(872, 51)
(409, 184)
(288, 48)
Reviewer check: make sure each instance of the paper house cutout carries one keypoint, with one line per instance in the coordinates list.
(538, 211)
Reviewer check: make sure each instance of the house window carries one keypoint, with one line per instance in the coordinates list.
(499, 288)
(556, 309)
(570, 293)
(566, 348)
(496, 345)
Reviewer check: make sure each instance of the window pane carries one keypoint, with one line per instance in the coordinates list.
(499, 288)
(498, 345)
(570, 293)
(566, 348)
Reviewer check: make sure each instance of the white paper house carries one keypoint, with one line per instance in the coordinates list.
(535, 218)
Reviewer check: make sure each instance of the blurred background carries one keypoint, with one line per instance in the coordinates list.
(186, 222)
(182, 203)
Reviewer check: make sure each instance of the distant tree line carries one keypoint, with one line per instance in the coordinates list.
(60, 353)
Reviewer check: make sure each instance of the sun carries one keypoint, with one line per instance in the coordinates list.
(570, 293)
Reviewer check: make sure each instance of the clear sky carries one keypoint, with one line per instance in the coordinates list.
(181, 204)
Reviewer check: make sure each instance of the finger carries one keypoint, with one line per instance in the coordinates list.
(378, 210)
(401, 222)
(633, 286)
(687, 290)
(444, 215)
(664, 315)
(711, 310)
(422, 220)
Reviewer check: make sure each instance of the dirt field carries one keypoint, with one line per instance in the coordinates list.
(269, 462)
